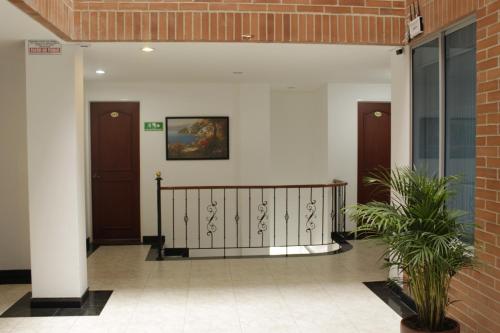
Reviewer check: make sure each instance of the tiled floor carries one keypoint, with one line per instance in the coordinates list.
(295, 294)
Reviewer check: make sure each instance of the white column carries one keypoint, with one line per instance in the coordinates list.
(400, 120)
(56, 174)
(400, 109)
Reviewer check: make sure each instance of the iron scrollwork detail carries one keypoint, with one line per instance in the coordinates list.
(262, 219)
(310, 217)
(212, 217)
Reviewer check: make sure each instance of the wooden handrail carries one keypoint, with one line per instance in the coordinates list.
(335, 183)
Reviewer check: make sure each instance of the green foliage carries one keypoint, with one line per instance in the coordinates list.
(422, 234)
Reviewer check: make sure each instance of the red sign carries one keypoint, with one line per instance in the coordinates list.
(44, 47)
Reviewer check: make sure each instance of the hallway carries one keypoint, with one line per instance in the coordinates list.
(296, 294)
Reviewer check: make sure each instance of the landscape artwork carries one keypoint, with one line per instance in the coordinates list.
(197, 138)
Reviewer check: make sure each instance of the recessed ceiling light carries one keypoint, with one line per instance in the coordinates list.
(237, 73)
(100, 71)
(147, 49)
(292, 87)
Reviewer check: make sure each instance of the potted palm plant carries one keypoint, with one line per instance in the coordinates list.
(423, 238)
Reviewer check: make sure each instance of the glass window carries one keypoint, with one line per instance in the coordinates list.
(455, 142)
(460, 123)
(426, 107)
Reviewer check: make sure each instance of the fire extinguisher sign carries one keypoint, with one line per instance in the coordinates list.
(44, 47)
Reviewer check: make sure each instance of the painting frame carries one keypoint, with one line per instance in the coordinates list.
(171, 156)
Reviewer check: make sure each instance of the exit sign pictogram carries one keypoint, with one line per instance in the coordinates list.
(153, 126)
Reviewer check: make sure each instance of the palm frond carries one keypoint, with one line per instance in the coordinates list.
(422, 233)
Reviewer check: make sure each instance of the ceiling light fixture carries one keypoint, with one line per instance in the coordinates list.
(147, 49)
(237, 73)
(100, 71)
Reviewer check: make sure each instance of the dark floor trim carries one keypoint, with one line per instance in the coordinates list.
(15, 276)
(60, 302)
(349, 235)
(405, 298)
(177, 252)
(131, 241)
(387, 292)
(93, 306)
(152, 240)
(91, 248)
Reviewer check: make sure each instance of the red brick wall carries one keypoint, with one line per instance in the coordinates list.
(303, 21)
(296, 21)
(478, 291)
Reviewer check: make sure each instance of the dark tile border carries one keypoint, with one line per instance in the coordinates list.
(92, 306)
(392, 295)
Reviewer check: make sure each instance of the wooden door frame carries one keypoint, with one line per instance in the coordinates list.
(89, 175)
(359, 153)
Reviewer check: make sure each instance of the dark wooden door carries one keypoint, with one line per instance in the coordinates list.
(115, 172)
(374, 147)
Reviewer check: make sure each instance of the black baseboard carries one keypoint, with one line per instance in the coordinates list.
(15, 276)
(60, 302)
(177, 252)
(152, 240)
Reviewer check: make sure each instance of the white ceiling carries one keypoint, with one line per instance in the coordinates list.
(282, 65)
(15, 25)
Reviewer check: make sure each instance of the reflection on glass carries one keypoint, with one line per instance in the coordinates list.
(426, 107)
(460, 124)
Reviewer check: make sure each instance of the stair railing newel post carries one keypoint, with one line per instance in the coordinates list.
(158, 212)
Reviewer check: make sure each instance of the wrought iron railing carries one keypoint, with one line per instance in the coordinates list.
(243, 220)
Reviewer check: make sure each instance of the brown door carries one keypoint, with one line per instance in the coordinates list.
(115, 172)
(374, 147)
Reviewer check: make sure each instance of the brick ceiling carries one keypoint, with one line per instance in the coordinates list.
(296, 21)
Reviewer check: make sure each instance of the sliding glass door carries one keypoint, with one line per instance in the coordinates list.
(460, 132)
(444, 113)
(426, 107)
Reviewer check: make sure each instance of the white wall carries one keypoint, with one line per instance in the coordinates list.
(272, 140)
(343, 131)
(400, 113)
(299, 138)
(248, 108)
(254, 127)
(275, 136)
(14, 219)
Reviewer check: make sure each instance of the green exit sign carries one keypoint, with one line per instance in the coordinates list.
(153, 126)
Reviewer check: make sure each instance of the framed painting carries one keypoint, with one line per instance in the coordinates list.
(197, 138)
